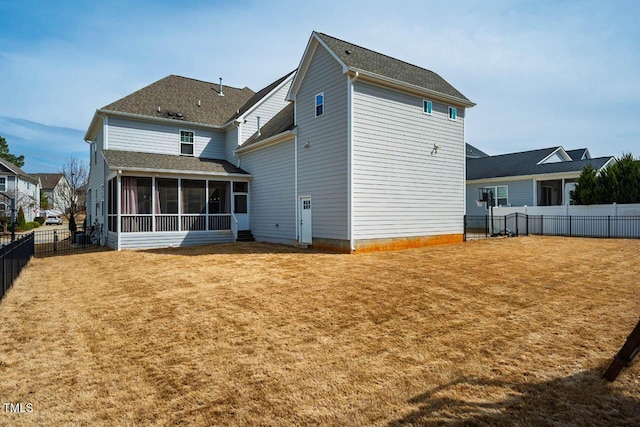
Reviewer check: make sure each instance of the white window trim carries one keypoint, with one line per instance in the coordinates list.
(315, 106)
(193, 143)
(494, 188)
(430, 103)
(456, 117)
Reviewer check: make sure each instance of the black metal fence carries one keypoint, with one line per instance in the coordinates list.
(13, 257)
(59, 241)
(518, 224)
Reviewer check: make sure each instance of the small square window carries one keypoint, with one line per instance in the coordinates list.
(240, 187)
(186, 143)
(320, 104)
(427, 106)
(453, 113)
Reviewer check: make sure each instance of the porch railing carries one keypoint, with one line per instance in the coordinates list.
(184, 222)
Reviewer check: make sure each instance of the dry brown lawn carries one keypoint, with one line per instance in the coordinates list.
(504, 331)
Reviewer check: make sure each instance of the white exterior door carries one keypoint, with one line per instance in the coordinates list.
(305, 219)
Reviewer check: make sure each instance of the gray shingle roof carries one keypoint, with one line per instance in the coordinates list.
(259, 95)
(180, 95)
(7, 166)
(576, 154)
(360, 58)
(132, 160)
(281, 122)
(525, 163)
(473, 152)
(49, 180)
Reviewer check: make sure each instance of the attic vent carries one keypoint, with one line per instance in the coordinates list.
(177, 116)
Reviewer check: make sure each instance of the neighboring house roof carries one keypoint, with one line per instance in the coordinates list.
(526, 163)
(133, 160)
(473, 152)
(281, 122)
(579, 154)
(183, 99)
(49, 180)
(381, 67)
(7, 166)
(259, 95)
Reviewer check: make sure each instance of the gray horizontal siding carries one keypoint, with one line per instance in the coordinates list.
(181, 238)
(401, 188)
(131, 135)
(272, 198)
(266, 110)
(520, 193)
(230, 145)
(323, 167)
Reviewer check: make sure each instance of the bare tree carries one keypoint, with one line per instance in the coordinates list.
(72, 193)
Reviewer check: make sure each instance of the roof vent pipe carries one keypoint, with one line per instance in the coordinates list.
(258, 125)
(220, 92)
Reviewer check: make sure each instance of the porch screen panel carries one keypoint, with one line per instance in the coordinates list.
(136, 204)
(166, 208)
(194, 204)
(219, 206)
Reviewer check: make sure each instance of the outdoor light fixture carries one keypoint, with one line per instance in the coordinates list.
(306, 145)
(435, 149)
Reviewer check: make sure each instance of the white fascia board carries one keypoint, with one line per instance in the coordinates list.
(559, 151)
(609, 162)
(142, 117)
(312, 45)
(155, 171)
(272, 140)
(408, 87)
(90, 135)
(537, 177)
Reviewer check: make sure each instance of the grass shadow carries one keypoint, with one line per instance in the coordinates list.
(237, 248)
(581, 399)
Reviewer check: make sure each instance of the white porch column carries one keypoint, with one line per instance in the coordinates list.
(153, 203)
(179, 204)
(119, 207)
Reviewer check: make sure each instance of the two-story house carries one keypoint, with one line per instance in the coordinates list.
(54, 186)
(353, 151)
(20, 186)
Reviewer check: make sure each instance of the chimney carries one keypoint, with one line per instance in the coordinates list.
(220, 92)
(258, 125)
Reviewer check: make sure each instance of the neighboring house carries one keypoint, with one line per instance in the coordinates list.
(54, 186)
(24, 188)
(542, 177)
(353, 151)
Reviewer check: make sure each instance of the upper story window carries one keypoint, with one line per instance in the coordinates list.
(28, 185)
(453, 113)
(3, 184)
(427, 106)
(186, 143)
(320, 104)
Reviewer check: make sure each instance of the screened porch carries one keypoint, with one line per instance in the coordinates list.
(154, 204)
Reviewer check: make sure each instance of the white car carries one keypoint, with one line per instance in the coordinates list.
(53, 220)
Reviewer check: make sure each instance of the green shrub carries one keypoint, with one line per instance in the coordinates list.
(34, 224)
(39, 220)
(21, 219)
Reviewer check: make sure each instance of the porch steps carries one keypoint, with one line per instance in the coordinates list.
(245, 236)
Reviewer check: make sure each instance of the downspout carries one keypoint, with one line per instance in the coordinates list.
(119, 208)
(350, 82)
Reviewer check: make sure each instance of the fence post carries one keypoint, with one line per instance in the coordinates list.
(486, 226)
(517, 218)
(55, 241)
(464, 235)
(569, 225)
(4, 274)
(608, 226)
(542, 225)
(526, 223)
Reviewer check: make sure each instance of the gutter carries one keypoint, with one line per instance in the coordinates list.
(283, 136)
(367, 75)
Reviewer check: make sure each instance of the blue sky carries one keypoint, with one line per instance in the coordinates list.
(543, 73)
